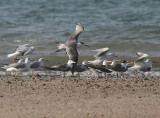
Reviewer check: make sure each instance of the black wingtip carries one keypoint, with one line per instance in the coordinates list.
(57, 51)
(87, 45)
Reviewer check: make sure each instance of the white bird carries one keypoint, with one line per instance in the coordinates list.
(142, 64)
(97, 68)
(12, 64)
(21, 51)
(36, 65)
(102, 55)
(20, 67)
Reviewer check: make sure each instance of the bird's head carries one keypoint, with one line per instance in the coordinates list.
(85, 62)
(70, 63)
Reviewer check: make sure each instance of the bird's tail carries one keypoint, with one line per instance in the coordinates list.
(11, 69)
(48, 68)
(13, 55)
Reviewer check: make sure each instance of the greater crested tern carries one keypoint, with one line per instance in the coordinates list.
(142, 64)
(71, 46)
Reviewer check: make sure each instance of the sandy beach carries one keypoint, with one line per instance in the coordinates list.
(53, 97)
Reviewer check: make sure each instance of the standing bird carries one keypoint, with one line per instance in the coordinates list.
(101, 55)
(97, 68)
(22, 50)
(12, 64)
(63, 67)
(118, 67)
(20, 67)
(142, 64)
(36, 65)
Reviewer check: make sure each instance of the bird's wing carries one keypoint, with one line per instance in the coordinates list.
(60, 46)
(79, 29)
(101, 53)
(20, 65)
(35, 64)
(22, 47)
(71, 49)
(27, 50)
(62, 67)
(139, 54)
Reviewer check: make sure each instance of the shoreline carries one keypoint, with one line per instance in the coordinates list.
(49, 97)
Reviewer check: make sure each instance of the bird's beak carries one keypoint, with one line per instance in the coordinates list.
(73, 62)
(109, 61)
(131, 63)
(119, 60)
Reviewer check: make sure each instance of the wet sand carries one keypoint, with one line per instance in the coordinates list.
(53, 97)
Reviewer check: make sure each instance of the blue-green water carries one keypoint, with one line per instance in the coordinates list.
(125, 26)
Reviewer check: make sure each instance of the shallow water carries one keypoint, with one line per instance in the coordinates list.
(124, 26)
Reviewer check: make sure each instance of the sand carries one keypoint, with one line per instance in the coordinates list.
(53, 97)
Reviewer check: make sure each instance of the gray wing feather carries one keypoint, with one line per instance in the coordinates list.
(101, 53)
(20, 65)
(35, 64)
(27, 51)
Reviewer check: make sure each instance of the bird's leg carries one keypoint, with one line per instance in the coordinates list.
(98, 74)
(20, 74)
(105, 75)
(32, 74)
(117, 75)
(64, 75)
(122, 75)
(14, 74)
(144, 76)
(137, 74)
(65, 53)
(78, 75)
(14, 59)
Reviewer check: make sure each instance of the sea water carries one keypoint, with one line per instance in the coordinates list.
(125, 26)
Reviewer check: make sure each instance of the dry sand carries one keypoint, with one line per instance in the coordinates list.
(50, 97)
